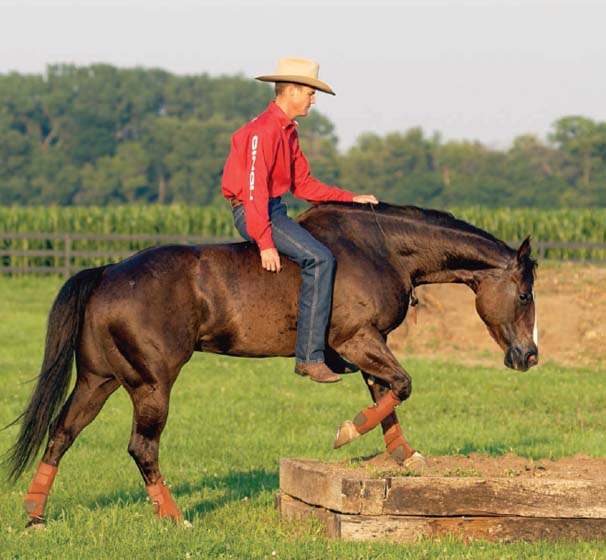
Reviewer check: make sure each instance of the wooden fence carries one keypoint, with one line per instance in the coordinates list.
(66, 253)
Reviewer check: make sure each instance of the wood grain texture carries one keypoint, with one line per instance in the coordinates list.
(409, 529)
(352, 491)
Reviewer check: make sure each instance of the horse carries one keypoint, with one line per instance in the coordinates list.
(136, 323)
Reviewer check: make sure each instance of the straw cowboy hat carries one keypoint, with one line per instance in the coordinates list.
(298, 71)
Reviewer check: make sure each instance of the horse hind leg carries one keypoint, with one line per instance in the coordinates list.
(150, 413)
(80, 409)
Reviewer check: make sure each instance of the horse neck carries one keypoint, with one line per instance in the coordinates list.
(431, 254)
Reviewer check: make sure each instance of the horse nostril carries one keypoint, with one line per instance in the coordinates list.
(531, 358)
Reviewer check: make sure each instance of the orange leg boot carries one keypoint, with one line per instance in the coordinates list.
(366, 419)
(396, 444)
(163, 502)
(37, 494)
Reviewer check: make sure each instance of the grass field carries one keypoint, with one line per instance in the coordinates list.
(232, 420)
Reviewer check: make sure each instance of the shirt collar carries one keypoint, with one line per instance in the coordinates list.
(283, 119)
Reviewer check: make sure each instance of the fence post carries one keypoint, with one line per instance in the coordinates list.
(67, 254)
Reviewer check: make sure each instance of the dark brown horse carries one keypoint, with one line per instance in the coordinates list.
(136, 323)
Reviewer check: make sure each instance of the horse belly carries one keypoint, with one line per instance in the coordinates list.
(250, 312)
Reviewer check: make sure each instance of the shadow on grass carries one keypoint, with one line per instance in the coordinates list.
(235, 486)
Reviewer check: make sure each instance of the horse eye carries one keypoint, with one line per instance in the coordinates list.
(525, 297)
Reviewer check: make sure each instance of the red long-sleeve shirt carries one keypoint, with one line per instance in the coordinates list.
(265, 162)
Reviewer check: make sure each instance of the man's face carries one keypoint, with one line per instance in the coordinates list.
(301, 99)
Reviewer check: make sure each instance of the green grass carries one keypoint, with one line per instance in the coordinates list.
(232, 420)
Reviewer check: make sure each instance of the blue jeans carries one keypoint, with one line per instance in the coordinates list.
(317, 273)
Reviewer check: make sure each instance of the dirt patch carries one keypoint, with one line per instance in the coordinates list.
(475, 465)
(571, 307)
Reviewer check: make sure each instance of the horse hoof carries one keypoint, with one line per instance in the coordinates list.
(345, 433)
(36, 523)
(416, 462)
(187, 524)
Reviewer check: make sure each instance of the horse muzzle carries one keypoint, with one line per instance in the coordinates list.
(521, 359)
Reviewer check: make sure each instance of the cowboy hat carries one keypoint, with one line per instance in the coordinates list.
(298, 71)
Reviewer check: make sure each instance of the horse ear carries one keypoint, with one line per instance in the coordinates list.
(524, 250)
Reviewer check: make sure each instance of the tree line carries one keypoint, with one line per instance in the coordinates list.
(100, 135)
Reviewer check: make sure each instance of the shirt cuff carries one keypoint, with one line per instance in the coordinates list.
(266, 242)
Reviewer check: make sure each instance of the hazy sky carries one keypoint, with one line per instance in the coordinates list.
(477, 70)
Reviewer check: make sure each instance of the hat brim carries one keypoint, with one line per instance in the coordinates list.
(304, 80)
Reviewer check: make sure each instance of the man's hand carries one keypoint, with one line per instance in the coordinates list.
(270, 260)
(366, 198)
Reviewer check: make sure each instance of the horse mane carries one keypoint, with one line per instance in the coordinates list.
(410, 213)
(428, 216)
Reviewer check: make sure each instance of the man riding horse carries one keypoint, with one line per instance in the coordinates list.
(136, 323)
(264, 163)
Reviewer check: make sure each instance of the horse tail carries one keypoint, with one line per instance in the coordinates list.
(62, 335)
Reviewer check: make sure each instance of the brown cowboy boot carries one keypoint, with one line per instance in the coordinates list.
(317, 372)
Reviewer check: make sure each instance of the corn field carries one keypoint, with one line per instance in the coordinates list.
(178, 221)
(567, 226)
(586, 225)
(512, 225)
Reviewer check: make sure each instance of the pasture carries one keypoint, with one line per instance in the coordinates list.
(228, 428)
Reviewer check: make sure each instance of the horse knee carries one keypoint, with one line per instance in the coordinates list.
(59, 442)
(132, 451)
(144, 451)
(402, 387)
(150, 418)
(135, 449)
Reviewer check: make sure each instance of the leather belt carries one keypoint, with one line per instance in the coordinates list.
(234, 202)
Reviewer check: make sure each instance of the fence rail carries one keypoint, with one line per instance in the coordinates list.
(66, 253)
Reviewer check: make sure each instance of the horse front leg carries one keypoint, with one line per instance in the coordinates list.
(395, 442)
(368, 349)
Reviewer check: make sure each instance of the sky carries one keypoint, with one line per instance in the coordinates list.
(471, 70)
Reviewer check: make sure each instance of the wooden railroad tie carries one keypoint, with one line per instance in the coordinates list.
(351, 504)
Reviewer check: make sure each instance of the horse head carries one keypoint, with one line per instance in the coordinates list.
(505, 302)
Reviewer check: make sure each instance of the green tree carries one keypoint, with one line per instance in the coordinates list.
(576, 136)
(116, 179)
(398, 167)
(100, 134)
(534, 169)
(583, 142)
